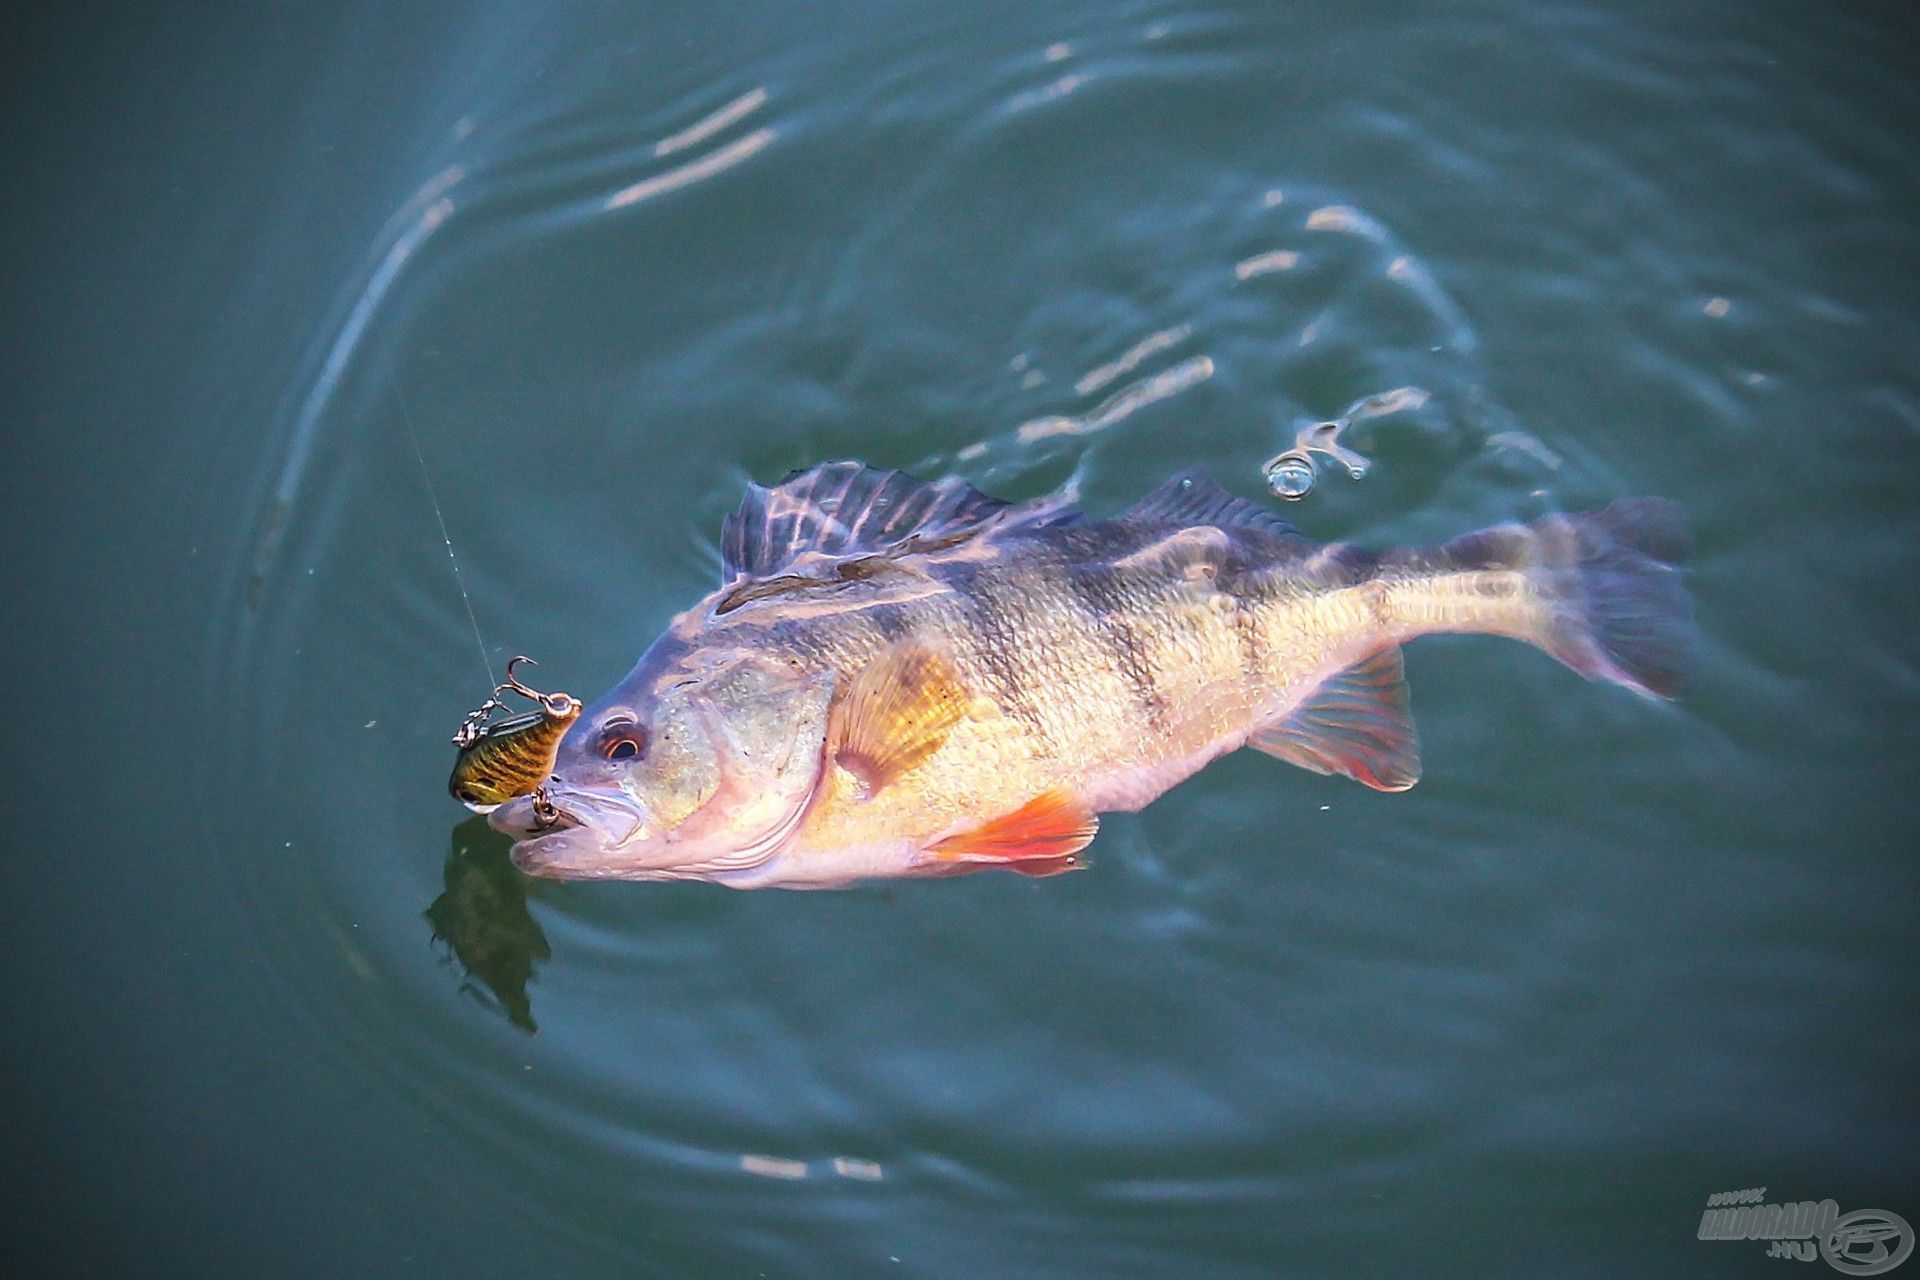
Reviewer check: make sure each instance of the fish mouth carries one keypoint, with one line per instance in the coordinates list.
(564, 853)
(585, 834)
(604, 835)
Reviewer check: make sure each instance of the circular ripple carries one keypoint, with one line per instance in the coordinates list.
(579, 340)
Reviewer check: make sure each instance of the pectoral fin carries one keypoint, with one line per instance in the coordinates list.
(1357, 723)
(895, 713)
(1040, 838)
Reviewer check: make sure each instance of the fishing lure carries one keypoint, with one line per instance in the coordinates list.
(501, 760)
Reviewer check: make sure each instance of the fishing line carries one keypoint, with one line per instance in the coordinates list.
(325, 186)
(433, 500)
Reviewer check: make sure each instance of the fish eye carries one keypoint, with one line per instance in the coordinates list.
(625, 740)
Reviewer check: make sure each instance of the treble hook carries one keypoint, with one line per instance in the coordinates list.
(545, 811)
(554, 707)
(554, 704)
(474, 727)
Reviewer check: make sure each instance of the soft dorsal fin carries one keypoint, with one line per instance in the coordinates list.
(895, 712)
(1357, 723)
(1192, 497)
(843, 508)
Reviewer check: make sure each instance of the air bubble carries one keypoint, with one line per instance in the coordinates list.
(1291, 476)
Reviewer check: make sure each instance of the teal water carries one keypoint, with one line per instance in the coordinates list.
(276, 1006)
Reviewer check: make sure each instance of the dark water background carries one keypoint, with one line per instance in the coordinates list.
(271, 1004)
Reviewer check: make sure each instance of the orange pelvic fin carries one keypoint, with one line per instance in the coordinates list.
(1357, 723)
(1040, 838)
(895, 713)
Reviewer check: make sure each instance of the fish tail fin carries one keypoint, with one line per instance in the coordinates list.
(1598, 590)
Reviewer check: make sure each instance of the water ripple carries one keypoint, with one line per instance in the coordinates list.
(1174, 289)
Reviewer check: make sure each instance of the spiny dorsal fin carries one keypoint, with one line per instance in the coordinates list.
(895, 713)
(1041, 837)
(1193, 498)
(843, 508)
(1357, 723)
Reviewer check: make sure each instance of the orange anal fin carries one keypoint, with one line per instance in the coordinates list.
(1357, 723)
(1039, 838)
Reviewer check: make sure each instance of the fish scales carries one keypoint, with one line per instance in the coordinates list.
(1071, 653)
(923, 679)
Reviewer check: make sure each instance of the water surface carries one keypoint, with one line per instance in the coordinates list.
(293, 278)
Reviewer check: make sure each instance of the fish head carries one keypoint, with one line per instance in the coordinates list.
(699, 763)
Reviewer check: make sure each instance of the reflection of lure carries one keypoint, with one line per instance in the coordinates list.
(505, 759)
(482, 918)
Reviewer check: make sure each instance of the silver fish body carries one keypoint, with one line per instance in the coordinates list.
(902, 678)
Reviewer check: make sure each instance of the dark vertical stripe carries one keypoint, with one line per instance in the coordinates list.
(1253, 641)
(1252, 589)
(1138, 669)
(994, 636)
(891, 621)
(1097, 593)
